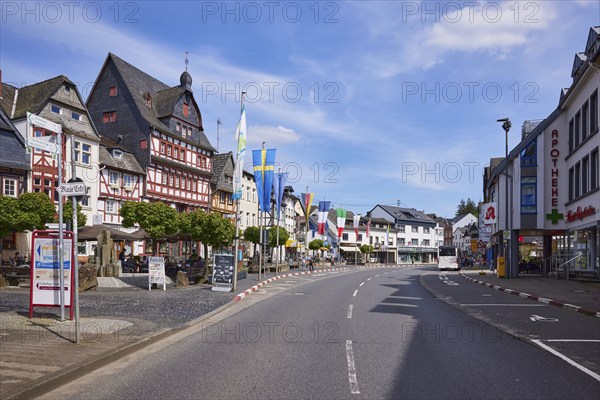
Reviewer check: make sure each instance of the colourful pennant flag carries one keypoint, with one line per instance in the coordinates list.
(322, 217)
(278, 188)
(240, 135)
(341, 220)
(308, 200)
(264, 163)
(368, 228)
(356, 220)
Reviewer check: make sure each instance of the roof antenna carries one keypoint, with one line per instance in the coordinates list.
(186, 60)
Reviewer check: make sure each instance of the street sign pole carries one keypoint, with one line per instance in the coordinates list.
(75, 266)
(61, 240)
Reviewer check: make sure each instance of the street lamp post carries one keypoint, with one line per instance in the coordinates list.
(506, 125)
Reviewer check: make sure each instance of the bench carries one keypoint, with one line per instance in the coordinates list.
(14, 275)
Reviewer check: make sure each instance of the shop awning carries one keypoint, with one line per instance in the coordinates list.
(348, 248)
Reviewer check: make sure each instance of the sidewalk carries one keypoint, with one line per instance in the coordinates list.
(582, 297)
(119, 318)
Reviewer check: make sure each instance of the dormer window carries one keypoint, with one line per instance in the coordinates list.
(148, 100)
(117, 153)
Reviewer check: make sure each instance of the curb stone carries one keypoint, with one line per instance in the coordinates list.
(580, 310)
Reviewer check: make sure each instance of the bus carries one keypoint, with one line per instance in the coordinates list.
(448, 258)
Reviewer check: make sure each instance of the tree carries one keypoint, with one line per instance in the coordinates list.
(252, 235)
(68, 214)
(366, 249)
(30, 211)
(157, 219)
(467, 207)
(212, 230)
(315, 244)
(283, 236)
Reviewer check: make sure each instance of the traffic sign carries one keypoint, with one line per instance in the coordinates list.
(43, 123)
(42, 144)
(72, 189)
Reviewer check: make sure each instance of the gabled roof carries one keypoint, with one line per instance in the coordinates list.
(140, 84)
(593, 37)
(12, 150)
(222, 167)
(126, 163)
(577, 63)
(401, 214)
(34, 97)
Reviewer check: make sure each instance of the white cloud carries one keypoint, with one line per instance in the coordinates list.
(273, 135)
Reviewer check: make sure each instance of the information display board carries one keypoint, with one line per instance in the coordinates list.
(222, 276)
(156, 272)
(44, 290)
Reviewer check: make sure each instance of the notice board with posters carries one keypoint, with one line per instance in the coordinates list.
(44, 289)
(222, 276)
(156, 272)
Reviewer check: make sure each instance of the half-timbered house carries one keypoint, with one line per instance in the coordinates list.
(14, 171)
(222, 184)
(121, 179)
(57, 100)
(161, 126)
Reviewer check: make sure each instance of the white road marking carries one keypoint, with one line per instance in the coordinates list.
(565, 358)
(451, 283)
(573, 340)
(369, 279)
(355, 292)
(350, 311)
(502, 305)
(542, 319)
(361, 284)
(351, 368)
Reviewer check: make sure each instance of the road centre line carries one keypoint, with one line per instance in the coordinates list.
(567, 359)
(369, 279)
(501, 305)
(573, 340)
(350, 311)
(351, 368)
(361, 284)
(355, 292)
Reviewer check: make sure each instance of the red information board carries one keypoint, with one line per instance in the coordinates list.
(45, 270)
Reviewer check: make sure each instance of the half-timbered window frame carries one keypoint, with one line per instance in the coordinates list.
(85, 150)
(128, 182)
(9, 187)
(113, 179)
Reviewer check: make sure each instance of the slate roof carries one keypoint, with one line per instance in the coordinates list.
(12, 150)
(407, 214)
(140, 84)
(222, 178)
(34, 97)
(127, 163)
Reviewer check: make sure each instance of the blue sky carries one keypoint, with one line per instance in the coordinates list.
(366, 102)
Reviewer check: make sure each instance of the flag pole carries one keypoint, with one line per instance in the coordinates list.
(237, 208)
(277, 240)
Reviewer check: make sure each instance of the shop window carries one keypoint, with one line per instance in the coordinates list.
(529, 156)
(528, 195)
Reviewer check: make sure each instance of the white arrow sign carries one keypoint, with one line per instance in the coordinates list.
(43, 123)
(542, 319)
(42, 144)
(72, 189)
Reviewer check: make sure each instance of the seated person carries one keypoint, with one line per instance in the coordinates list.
(130, 265)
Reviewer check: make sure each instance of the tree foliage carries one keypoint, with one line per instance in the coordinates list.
(157, 219)
(28, 212)
(68, 214)
(466, 207)
(315, 244)
(283, 236)
(252, 234)
(366, 248)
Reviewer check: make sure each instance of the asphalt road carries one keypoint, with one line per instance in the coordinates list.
(374, 333)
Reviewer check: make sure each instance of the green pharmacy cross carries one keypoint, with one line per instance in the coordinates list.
(554, 216)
